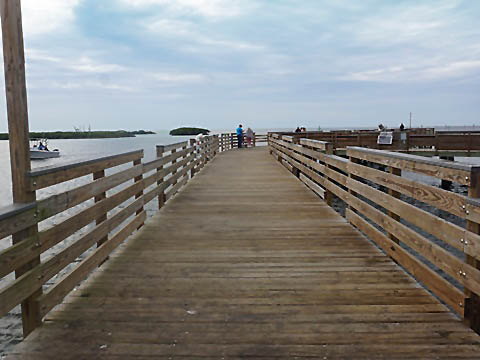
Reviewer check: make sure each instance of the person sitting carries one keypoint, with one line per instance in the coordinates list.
(298, 129)
(41, 146)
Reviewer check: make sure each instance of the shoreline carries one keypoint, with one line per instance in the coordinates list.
(73, 135)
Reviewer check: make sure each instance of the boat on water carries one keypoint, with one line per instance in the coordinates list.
(39, 150)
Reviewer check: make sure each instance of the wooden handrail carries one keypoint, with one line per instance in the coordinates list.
(48, 176)
(405, 224)
(164, 176)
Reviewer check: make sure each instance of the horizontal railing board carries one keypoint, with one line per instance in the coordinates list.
(300, 149)
(175, 188)
(439, 198)
(174, 146)
(68, 199)
(17, 217)
(441, 287)
(17, 255)
(438, 227)
(28, 283)
(166, 171)
(426, 248)
(317, 189)
(313, 164)
(59, 232)
(442, 169)
(154, 164)
(336, 161)
(473, 210)
(54, 294)
(317, 144)
(49, 176)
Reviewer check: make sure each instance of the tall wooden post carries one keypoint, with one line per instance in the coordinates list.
(102, 196)
(161, 196)
(193, 144)
(395, 194)
(472, 300)
(328, 193)
(18, 131)
(138, 195)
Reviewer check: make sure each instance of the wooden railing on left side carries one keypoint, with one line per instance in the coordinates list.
(87, 231)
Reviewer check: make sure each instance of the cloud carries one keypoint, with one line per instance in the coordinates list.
(178, 78)
(416, 73)
(189, 33)
(205, 8)
(88, 65)
(40, 18)
(40, 55)
(92, 84)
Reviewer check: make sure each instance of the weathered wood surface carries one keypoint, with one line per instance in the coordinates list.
(246, 261)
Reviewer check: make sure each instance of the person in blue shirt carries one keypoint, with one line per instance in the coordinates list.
(240, 135)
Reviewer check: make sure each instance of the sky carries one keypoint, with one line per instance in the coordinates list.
(161, 64)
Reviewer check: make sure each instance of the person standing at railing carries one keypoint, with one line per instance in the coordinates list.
(240, 135)
(249, 134)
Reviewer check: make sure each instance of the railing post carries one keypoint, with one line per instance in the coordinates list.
(472, 300)
(193, 144)
(18, 130)
(254, 139)
(350, 176)
(173, 151)
(140, 193)
(102, 196)
(395, 194)
(328, 193)
(161, 196)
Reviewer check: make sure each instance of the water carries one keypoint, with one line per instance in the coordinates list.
(83, 149)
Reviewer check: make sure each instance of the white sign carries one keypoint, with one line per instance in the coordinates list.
(385, 138)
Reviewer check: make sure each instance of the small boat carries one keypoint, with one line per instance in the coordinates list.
(40, 150)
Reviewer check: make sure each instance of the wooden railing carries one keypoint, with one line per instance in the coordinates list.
(408, 219)
(87, 230)
(407, 140)
(230, 140)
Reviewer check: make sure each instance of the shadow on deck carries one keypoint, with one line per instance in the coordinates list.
(247, 262)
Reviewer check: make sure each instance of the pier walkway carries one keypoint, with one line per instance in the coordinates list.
(246, 261)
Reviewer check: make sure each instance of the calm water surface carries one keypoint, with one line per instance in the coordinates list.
(83, 149)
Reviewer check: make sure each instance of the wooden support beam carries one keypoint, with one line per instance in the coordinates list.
(102, 196)
(17, 112)
(193, 144)
(472, 300)
(137, 179)
(396, 194)
(161, 195)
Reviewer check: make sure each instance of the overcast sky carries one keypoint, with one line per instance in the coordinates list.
(159, 64)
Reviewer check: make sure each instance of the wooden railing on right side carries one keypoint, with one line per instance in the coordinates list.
(407, 140)
(439, 235)
(93, 218)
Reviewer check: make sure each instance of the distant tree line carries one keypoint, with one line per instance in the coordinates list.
(83, 134)
(189, 131)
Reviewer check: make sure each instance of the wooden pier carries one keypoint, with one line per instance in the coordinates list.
(246, 261)
(245, 258)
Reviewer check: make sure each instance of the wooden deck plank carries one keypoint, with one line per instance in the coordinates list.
(247, 262)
